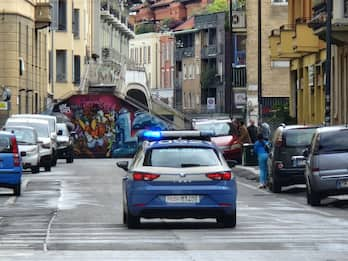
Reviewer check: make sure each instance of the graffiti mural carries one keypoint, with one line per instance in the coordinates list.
(106, 126)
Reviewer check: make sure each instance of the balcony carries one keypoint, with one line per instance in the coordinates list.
(181, 53)
(209, 51)
(304, 40)
(274, 40)
(206, 21)
(239, 76)
(42, 14)
(285, 48)
(339, 20)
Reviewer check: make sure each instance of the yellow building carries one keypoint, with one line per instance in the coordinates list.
(23, 55)
(70, 41)
(302, 43)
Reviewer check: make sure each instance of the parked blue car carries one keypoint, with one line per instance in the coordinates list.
(10, 163)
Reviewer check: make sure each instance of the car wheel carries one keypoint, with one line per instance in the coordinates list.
(313, 198)
(132, 221)
(70, 159)
(48, 168)
(274, 184)
(54, 161)
(17, 190)
(35, 169)
(228, 220)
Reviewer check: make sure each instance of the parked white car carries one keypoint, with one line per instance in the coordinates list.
(52, 124)
(41, 126)
(28, 145)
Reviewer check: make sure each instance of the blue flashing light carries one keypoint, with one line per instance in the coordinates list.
(152, 134)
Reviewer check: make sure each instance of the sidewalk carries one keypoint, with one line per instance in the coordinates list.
(249, 172)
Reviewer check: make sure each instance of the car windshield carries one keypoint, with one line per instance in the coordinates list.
(333, 142)
(63, 128)
(41, 128)
(299, 137)
(181, 157)
(24, 135)
(219, 128)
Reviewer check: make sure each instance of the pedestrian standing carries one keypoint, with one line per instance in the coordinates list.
(265, 130)
(260, 148)
(252, 130)
(243, 133)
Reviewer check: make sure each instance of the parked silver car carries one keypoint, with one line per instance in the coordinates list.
(28, 145)
(327, 165)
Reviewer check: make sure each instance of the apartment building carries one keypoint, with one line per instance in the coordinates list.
(302, 42)
(338, 113)
(23, 52)
(200, 64)
(155, 52)
(275, 72)
(158, 10)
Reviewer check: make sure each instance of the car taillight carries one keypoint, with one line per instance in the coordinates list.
(16, 159)
(139, 176)
(220, 176)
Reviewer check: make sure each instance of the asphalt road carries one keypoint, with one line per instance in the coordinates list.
(74, 212)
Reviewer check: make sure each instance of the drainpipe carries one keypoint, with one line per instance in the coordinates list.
(328, 63)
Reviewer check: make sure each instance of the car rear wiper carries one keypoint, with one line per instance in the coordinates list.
(187, 165)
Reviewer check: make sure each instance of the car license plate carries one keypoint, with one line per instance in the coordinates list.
(298, 162)
(343, 184)
(182, 199)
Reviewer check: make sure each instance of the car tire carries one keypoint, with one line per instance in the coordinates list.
(132, 221)
(48, 168)
(228, 220)
(35, 169)
(70, 159)
(54, 161)
(313, 198)
(124, 218)
(274, 184)
(17, 190)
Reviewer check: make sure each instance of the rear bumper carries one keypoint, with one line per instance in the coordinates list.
(328, 185)
(63, 153)
(290, 176)
(150, 201)
(10, 179)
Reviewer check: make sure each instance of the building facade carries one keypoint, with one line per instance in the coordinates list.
(275, 73)
(155, 52)
(200, 64)
(338, 93)
(24, 56)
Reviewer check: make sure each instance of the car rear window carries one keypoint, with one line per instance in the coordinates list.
(219, 128)
(23, 135)
(299, 137)
(41, 128)
(333, 142)
(181, 157)
(5, 144)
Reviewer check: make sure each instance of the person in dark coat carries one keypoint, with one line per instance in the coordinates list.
(252, 129)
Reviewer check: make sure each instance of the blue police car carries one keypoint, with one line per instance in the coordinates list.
(178, 174)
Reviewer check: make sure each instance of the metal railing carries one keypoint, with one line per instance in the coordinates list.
(239, 75)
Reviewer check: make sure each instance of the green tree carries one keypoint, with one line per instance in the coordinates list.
(144, 28)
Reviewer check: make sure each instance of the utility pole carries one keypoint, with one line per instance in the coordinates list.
(231, 58)
(328, 63)
(259, 63)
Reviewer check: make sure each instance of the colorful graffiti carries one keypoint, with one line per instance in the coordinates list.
(106, 126)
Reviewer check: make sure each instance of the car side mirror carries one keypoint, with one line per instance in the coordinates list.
(231, 163)
(23, 153)
(122, 165)
(305, 153)
(60, 133)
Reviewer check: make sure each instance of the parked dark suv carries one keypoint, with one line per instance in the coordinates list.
(286, 164)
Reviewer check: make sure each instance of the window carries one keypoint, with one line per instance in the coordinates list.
(299, 137)
(345, 8)
(149, 54)
(62, 15)
(61, 65)
(77, 69)
(76, 23)
(181, 157)
(279, 2)
(333, 142)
